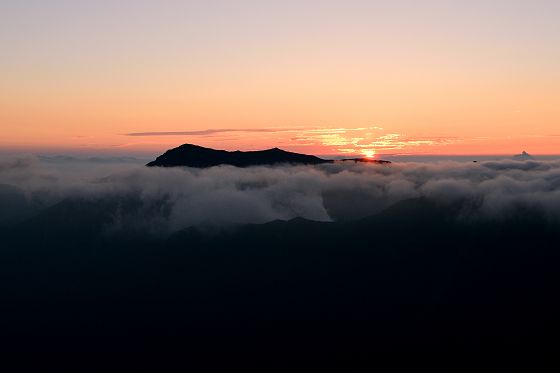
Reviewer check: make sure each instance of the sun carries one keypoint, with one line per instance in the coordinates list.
(369, 153)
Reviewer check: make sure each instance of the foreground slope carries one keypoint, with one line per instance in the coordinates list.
(412, 277)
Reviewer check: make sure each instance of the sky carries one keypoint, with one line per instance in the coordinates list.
(313, 76)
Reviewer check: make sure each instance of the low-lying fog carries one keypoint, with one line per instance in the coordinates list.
(222, 196)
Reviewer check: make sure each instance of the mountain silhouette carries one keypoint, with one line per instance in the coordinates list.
(189, 155)
(412, 277)
(197, 156)
(524, 156)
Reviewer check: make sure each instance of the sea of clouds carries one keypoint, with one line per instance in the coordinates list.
(174, 198)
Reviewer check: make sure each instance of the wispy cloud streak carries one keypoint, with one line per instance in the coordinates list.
(210, 132)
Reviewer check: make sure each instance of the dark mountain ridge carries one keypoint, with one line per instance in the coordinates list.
(189, 155)
(413, 277)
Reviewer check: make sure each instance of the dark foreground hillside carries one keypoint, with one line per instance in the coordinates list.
(412, 278)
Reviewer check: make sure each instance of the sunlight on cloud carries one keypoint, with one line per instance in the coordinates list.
(366, 141)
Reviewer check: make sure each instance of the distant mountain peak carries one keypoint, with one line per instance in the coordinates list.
(190, 155)
(523, 156)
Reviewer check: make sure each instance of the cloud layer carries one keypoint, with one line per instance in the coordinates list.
(171, 199)
(208, 132)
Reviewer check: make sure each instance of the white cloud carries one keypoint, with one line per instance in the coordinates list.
(175, 198)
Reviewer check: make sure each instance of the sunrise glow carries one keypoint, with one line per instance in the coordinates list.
(330, 78)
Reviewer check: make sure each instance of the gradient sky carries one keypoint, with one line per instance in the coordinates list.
(318, 76)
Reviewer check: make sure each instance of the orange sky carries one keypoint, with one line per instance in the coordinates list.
(454, 77)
